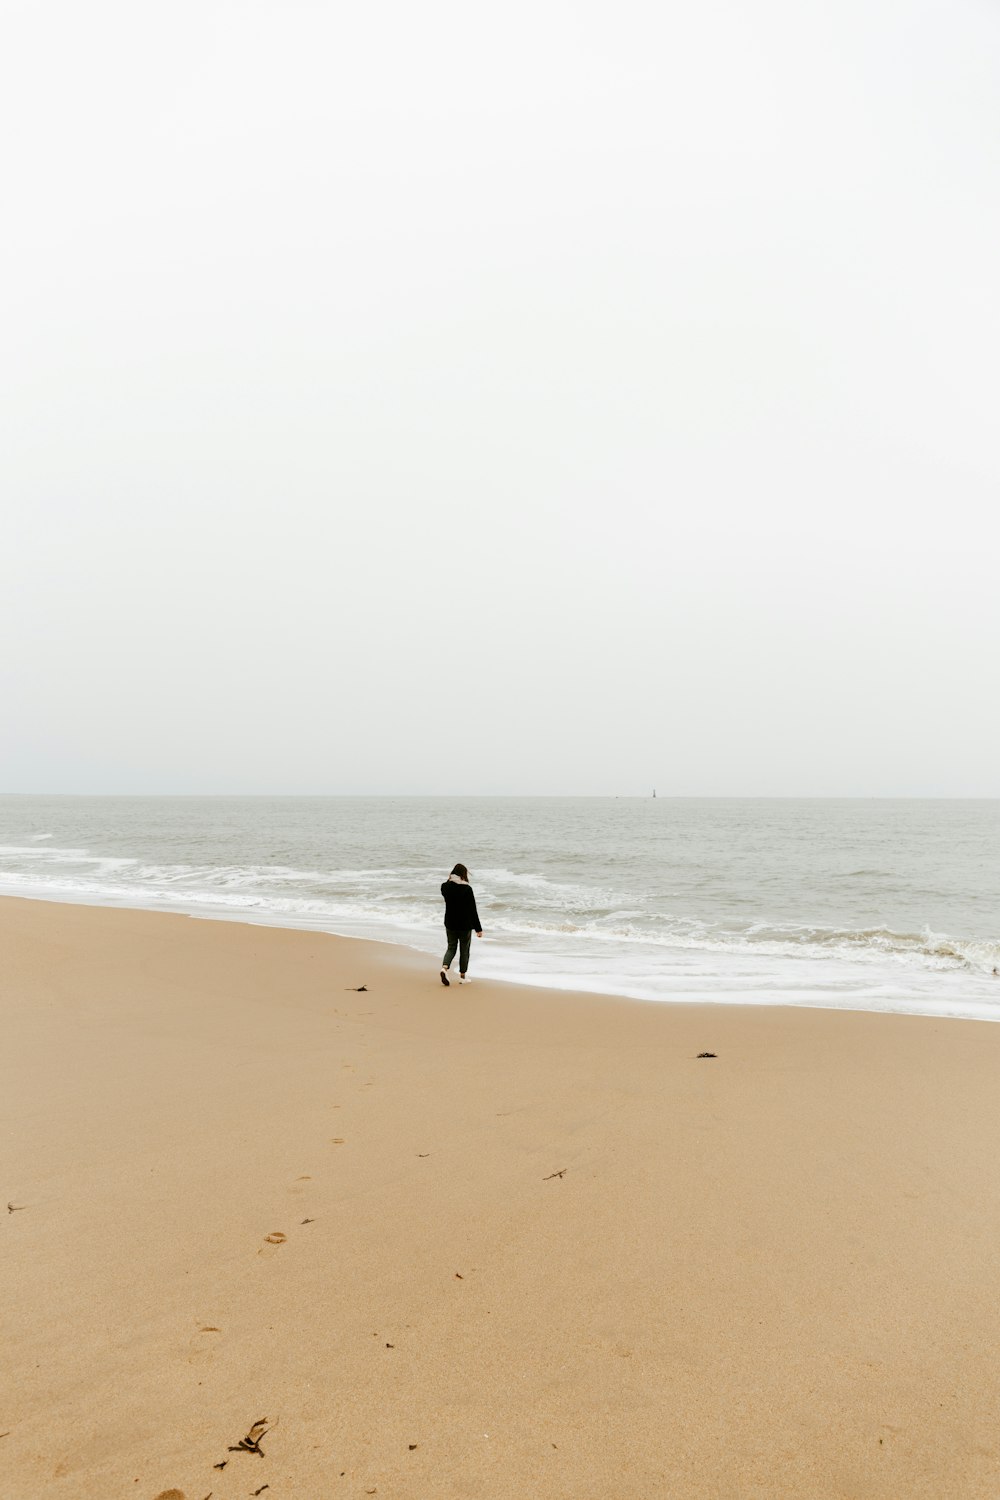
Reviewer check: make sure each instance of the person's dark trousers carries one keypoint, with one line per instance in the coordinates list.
(456, 940)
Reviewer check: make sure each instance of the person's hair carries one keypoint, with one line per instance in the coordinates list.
(461, 872)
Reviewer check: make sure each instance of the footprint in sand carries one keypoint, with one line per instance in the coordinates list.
(336, 1140)
(296, 1185)
(271, 1242)
(200, 1347)
(170, 1495)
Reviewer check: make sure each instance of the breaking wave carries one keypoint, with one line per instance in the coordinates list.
(519, 907)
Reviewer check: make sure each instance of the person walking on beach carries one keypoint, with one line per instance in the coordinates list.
(461, 920)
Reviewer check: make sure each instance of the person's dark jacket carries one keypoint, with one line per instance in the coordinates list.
(460, 914)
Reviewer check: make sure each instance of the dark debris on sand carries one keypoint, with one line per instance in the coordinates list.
(251, 1443)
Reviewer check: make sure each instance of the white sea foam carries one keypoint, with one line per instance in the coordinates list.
(367, 895)
(31, 851)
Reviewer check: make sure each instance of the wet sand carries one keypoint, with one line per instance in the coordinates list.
(478, 1242)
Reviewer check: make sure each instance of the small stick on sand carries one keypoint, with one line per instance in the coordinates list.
(556, 1174)
(16, 1208)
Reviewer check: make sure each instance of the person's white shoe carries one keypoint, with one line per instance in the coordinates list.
(444, 978)
(464, 980)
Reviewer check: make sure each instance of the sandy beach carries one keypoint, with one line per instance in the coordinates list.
(478, 1242)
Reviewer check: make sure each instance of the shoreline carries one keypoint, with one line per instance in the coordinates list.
(972, 1011)
(239, 1187)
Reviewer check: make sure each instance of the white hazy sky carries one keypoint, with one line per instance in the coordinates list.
(538, 397)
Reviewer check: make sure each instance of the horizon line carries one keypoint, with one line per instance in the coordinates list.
(542, 796)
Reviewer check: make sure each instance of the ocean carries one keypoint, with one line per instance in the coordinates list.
(861, 905)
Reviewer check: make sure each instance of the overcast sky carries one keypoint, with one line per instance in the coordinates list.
(538, 397)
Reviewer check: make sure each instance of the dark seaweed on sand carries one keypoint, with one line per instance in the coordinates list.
(251, 1443)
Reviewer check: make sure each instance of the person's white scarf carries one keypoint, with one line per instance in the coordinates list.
(458, 879)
